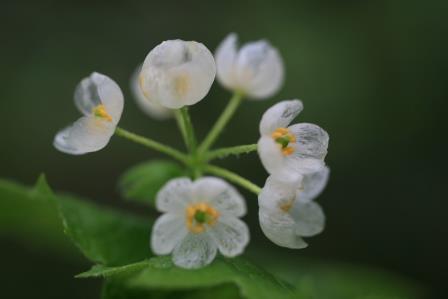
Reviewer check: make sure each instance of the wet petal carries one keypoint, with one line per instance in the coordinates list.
(177, 73)
(312, 141)
(231, 234)
(221, 195)
(195, 251)
(151, 108)
(313, 184)
(279, 116)
(225, 57)
(87, 134)
(309, 218)
(175, 196)
(167, 232)
(99, 89)
(259, 69)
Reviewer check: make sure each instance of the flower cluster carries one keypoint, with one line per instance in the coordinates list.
(201, 214)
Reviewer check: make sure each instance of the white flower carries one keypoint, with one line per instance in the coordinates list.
(101, 102)
(200, 218)
(287, 212)
(149, 106)
(256, 69)
(288, 151)
(177, 73)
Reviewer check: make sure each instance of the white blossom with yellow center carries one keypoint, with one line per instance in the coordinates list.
(101, 101)
(255, 70)
(150, 107)
(200, 218)
(290, 151)
(287, 211)
(177, 73)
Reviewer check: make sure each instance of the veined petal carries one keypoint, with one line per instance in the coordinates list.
(279, 227)
(167, 232)
(231, 234)
(225, 57)
(312, 141)
(313, 184)
(221, 195)
(175, 196)
(309, 218)
(303, 166)
(280, 116)
(87, 134)
(177, 73)
(150, 107)
(195, 251)
(99, 89)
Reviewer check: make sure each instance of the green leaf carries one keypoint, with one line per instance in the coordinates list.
(142, 182)
(103, 235)
(160, 273)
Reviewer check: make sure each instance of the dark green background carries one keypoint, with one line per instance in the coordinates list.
(372, 73)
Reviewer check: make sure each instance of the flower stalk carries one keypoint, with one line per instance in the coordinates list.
(233, 177)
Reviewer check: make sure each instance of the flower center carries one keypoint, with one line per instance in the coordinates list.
(100, 112)
(286, 205)
(284, 137)
(182, 85)
(199, 216)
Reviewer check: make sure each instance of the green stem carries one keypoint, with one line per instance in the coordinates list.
(234, 150)
(152, 144)
(222, 121)
(189, 132)
(180, 124)
(233, 177)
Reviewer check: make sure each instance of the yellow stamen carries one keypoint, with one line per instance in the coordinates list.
(284, 137)
(100, 111)
(182, 85)
(199, 216)
(286, 206)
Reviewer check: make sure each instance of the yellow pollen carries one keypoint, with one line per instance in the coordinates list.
(286, 206)
(182, 85)
(284, 137)
(100, 111)
(199, 216)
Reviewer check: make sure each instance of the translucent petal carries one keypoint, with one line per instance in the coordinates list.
(195, 251)
(277, 191)
(231, 234)
(177, 73)
(167, 232)
(259, 69)
(225, 57)
(279, 227)
(313, 184)
(312, 141)
(221, 195)
(175, 196)
(99, 89)
(87, 134)
(309, 218)
(151, 108)
(303, 166)
(280, 116)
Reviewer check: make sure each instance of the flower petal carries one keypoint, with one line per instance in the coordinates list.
(99, 89)
(225, 57)
(277, 224)
(152, 108)
(195, 251)
(314, 183)
(177, 73)
(259, 69)
(280, 116)
(175, 196)
(167, 232)
(274, 161)
(312, 141)
(231, 234)
(309, 218)
(87, 134)
(221, 195)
